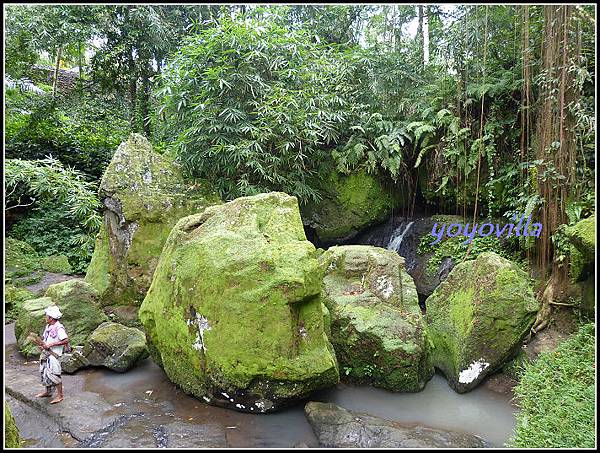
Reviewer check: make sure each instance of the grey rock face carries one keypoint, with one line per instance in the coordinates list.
(336, 427)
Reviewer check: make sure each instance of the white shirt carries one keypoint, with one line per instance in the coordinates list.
(53, 333)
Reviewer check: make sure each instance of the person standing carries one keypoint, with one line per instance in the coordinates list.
(54, 339)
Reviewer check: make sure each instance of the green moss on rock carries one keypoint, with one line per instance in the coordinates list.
(582, 237)
(78, 302)
(57, 263)
(144, 195)
(20, 259)
(13, 300)
(11, 432)
(377, 329)
(115, 346)
(352, 203)
(233, 314)
(478, 317)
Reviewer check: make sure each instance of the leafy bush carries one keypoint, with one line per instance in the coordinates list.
(556, 395)
(48, 180)
(81, 130)
(50, 230)
(255, 107)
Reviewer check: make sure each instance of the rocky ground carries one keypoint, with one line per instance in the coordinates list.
(49, 278)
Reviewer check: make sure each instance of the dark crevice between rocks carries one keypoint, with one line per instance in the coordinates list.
(422, 304)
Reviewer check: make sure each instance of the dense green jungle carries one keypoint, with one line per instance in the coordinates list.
(289, 226)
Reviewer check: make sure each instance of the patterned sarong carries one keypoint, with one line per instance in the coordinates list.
(50, 369)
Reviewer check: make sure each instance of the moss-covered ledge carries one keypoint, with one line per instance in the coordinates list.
(351, 203)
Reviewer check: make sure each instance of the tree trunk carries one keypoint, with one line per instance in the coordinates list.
(145, 101)
(132, 96)
(80, 60)
(56, 68)
(426, 36)
(555, 149)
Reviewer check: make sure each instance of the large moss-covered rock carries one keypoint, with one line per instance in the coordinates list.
(582, 237)
(377, 329)
(78, 302)
(233, 314)
(13, 300)
(144, 194)
(111, 345)
(57, 263)
(20, 259)
(350, 204)
(478, 317)
(11, 432)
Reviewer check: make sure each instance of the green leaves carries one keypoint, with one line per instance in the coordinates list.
(375, 143)
(47, 179)
(254, 107)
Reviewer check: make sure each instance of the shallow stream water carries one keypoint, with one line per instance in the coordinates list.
(483, 412)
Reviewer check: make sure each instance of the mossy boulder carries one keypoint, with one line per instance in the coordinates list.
(582, 237)
(11, 432)
(78, 302)
(13, 300)
(233, 314)
(478, 317)
(56, 263)
(14, 295)
(111, 345)
(377, 329)
(350, 204)
(20, 259)
(115, 346)
(144, 194)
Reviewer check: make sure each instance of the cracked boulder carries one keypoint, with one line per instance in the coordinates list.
(111, 345)
(377, 329)
(233, 314)
(144, 194)
(78, 302)
(478, 317)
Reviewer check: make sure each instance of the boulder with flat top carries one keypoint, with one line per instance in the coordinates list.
(234, 314)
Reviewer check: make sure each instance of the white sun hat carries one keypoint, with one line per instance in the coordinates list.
(54, 312)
